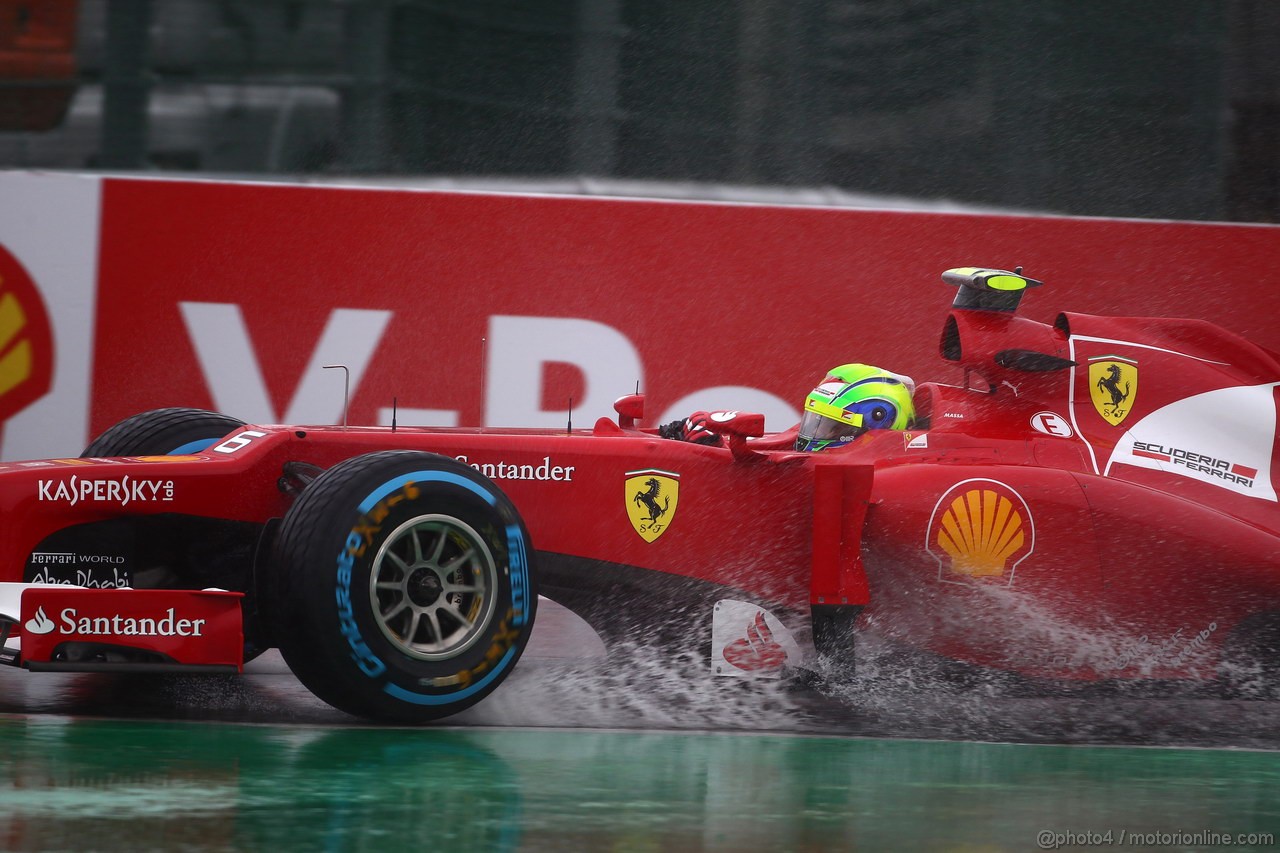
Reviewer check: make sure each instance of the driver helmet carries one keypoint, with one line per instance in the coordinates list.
(852, 399)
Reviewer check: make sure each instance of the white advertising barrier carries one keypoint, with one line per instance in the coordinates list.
(48, 286)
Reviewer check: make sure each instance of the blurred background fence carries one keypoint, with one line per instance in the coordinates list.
(1146, 108)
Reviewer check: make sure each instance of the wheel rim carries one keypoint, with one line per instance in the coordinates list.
(433, 587)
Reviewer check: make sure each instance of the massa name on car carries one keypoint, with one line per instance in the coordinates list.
(502, 470)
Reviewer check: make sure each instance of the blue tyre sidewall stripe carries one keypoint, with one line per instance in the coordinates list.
(425, 477)
(514, 538)
(395, 690)
(192, 447)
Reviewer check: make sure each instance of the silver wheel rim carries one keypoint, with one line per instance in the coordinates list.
(433, 587)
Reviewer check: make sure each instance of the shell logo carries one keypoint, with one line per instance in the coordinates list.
(980, 529)
(26, 339)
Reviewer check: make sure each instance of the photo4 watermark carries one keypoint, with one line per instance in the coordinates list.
(1048, 839)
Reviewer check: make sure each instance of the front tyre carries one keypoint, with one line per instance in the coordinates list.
(172, 431)
(163, 432)
(404, 586)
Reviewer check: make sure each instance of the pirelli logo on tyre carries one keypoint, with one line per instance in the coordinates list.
(26, 339)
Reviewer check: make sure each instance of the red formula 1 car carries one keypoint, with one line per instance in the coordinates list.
(1095, 501)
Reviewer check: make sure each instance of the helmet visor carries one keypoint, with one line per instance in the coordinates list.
(817, 431)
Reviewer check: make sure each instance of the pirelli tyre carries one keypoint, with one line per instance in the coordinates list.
(404, 586)
(163, 432)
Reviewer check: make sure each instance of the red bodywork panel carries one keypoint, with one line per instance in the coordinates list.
(1095, 499)
(187, 628)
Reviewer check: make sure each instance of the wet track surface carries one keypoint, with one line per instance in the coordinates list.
(576, 751)
(565, 680)
(129, 785)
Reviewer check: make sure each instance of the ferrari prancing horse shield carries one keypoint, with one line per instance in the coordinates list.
(652, 496)
(1113, 385)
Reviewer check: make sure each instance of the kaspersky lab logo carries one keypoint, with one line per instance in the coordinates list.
(26, 339)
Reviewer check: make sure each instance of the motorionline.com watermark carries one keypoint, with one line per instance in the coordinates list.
(1048, 839)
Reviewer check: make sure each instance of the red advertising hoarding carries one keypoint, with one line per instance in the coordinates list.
(476, 308)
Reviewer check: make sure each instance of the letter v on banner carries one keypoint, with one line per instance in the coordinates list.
(235, 379)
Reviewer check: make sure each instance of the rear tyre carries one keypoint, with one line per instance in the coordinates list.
(403, 585)
(163, 432)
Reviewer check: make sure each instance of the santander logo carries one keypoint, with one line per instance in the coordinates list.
(39, 624)
(70, 621)
(748, 641)
(758, 649)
